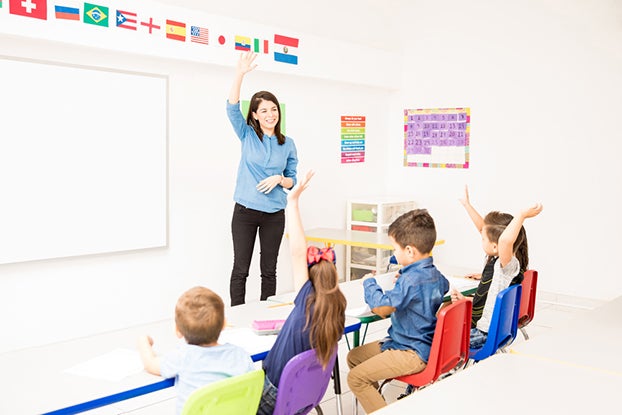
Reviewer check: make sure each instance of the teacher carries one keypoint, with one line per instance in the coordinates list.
(267, 166)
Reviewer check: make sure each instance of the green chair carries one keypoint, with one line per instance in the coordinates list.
(237, 395)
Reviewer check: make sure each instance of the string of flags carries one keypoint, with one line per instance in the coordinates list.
(283, 48)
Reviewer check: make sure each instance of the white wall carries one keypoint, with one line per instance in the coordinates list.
(52, 300)
(543, 81)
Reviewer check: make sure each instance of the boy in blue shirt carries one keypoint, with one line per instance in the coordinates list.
(413, 303)
(199, 360)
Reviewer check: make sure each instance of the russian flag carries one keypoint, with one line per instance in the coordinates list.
(285, 49)
(67, 13)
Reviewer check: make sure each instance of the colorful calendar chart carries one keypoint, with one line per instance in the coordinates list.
(437, 137)
(352, 139)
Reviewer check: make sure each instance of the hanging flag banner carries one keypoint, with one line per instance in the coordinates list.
(352, 139)
(149, 27)
(437, 137)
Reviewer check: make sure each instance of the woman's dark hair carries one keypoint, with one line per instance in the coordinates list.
(257, 98)
(494, 225)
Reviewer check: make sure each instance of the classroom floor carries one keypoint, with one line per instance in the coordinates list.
(551, 311)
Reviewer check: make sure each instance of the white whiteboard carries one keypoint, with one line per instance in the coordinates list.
(83, 160)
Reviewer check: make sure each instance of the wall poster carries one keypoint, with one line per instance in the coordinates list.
(437, 137)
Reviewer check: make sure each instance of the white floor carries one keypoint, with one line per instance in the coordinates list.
(551, 311)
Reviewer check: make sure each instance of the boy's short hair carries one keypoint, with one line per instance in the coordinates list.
(415, 228)
(200, 315)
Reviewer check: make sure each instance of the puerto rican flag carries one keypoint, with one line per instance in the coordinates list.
(126, 20)
(29, 8)
(286, 49)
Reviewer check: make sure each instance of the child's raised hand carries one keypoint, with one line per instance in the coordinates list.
(465, 199)
(532, 211)
(245, 63)
(297, 190)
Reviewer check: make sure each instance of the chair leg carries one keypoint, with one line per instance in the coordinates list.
(318, 410)
(355, 405)
(525, 335)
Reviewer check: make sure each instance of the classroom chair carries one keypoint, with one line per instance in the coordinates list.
(503, 326)
(450, 345)
(527, 300)
(303, 384)
(238, 395)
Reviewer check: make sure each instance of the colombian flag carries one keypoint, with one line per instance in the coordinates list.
(175, 30)
(242, 43)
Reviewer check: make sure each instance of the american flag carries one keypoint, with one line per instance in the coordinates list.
(199, 35)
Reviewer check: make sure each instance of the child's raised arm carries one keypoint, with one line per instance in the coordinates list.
(477, 219)
(297, 241)
(508, 237)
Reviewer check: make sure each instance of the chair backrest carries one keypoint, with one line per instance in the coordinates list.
(528, 298)
(303, 383)
(450, 345)
(503, 325)
(238, 395)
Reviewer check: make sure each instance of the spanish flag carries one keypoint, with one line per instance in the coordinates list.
(175, 30)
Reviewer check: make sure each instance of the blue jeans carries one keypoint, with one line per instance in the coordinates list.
(478, 338)
(268, 398)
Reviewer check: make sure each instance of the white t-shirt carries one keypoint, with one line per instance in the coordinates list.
(195, 366)
(501, 279)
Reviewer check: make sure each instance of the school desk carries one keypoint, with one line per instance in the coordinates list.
(590, 339)
(331, 237)
(35, 380)
(515, 385)
(354, 292)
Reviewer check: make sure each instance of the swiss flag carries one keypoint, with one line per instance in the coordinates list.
(29, 8)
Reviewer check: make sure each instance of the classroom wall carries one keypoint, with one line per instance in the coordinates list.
(543, 80)
(539, 78)
(52, 300)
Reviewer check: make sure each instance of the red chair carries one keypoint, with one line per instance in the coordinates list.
(450, 345)
(528, 300)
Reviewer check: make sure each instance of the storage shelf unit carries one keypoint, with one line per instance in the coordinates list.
(371, 215)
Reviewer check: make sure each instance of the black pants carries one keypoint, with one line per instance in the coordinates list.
(244, 226)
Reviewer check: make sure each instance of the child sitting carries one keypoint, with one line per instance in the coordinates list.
(199, 319)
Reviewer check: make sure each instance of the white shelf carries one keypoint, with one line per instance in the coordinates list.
(373, 216)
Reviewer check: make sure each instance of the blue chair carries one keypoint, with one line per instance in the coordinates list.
(303, 384)
(503, 326)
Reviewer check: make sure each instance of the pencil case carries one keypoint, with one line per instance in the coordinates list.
(267, 326)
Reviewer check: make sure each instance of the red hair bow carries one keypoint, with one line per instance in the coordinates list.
(315, 255)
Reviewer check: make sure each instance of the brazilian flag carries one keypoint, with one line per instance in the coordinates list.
(94, 14)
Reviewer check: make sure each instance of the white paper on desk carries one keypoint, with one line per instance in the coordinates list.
(113, 366)
(461, 283)
(363, 311)
(247, 339)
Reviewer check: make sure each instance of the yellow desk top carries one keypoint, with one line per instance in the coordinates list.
(331, 236)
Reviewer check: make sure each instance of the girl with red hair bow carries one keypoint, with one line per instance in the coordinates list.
(318, 318)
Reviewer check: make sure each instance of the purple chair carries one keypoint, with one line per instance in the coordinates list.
(303, 384)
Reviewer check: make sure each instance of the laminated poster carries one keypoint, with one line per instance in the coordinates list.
(352, 139)
(437, 137)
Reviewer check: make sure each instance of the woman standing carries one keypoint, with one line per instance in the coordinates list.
(267, 166)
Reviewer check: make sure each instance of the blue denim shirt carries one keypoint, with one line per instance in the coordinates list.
(417, 295)
(261, 159)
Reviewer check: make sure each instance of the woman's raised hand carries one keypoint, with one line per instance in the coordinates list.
(246, 62)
